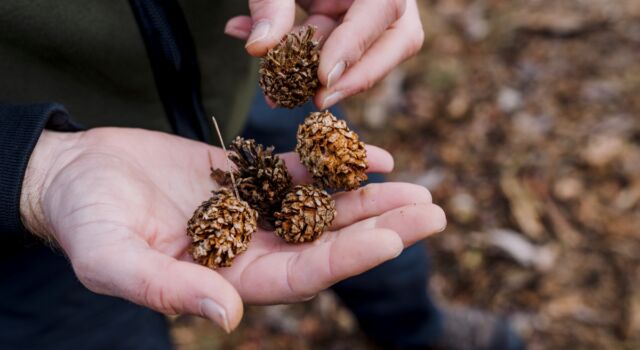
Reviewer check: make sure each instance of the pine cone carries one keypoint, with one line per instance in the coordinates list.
(306, 213)
(262, 178)
(289, 71)
(221, 177)
(220, 229)
(331, 152)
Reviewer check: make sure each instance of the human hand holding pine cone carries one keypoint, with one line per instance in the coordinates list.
(362, 40)
(116, 201)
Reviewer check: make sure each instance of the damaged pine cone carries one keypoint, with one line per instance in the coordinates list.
(331, 152)
(220, 229)
(289, 71)
(306, 213)
(262, 178)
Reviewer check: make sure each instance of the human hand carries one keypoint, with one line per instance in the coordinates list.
(117, 201)
(363, 39)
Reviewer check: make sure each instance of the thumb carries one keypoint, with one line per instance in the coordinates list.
(271, 19)
(162, 283)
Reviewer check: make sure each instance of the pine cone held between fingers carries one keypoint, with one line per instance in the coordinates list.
(289, 71)
(331, 152)
(306, 213)
(220, 229)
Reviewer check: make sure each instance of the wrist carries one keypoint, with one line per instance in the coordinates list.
(53, 151)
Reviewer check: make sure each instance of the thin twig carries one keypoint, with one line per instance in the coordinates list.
(233, 180)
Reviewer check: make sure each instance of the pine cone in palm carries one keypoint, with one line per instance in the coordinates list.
(262, 178)
(331, 152)
(306, 213)
(220, 229)
(289, 71)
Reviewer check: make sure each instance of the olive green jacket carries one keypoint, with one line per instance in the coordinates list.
(89, 55)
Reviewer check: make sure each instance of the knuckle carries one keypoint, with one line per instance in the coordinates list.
(156, 297)
(366, 196)
(332, 261)
(363, 198)
(147, 295)
(399, 6)
(291, 285)
(361, 44)
(353, 49)
(364, 82)
(297, 291)
(156, 294)
(367, 83)
(363, 86)
(393, 9)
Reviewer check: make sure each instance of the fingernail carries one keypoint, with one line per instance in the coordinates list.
(216, 313)
(336, 73)
(331, 100)
(308, 298)
(260, 31)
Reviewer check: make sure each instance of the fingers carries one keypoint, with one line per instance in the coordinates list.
(323, 15)
(324, 26)
(412, 222)
(363, 24)
(379, 160)
(331, 8)
(270, 102)
(296, 276)
(376, 199)
(144, 276)
(271, 20)
(239, 27)
(402, 40)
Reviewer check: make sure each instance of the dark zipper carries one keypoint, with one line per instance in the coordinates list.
(174, 64)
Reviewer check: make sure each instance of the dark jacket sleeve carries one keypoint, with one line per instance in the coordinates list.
(20, 128)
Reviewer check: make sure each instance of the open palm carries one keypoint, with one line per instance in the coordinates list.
(119, 204)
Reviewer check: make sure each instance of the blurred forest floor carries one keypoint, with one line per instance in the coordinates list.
(523, 119)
